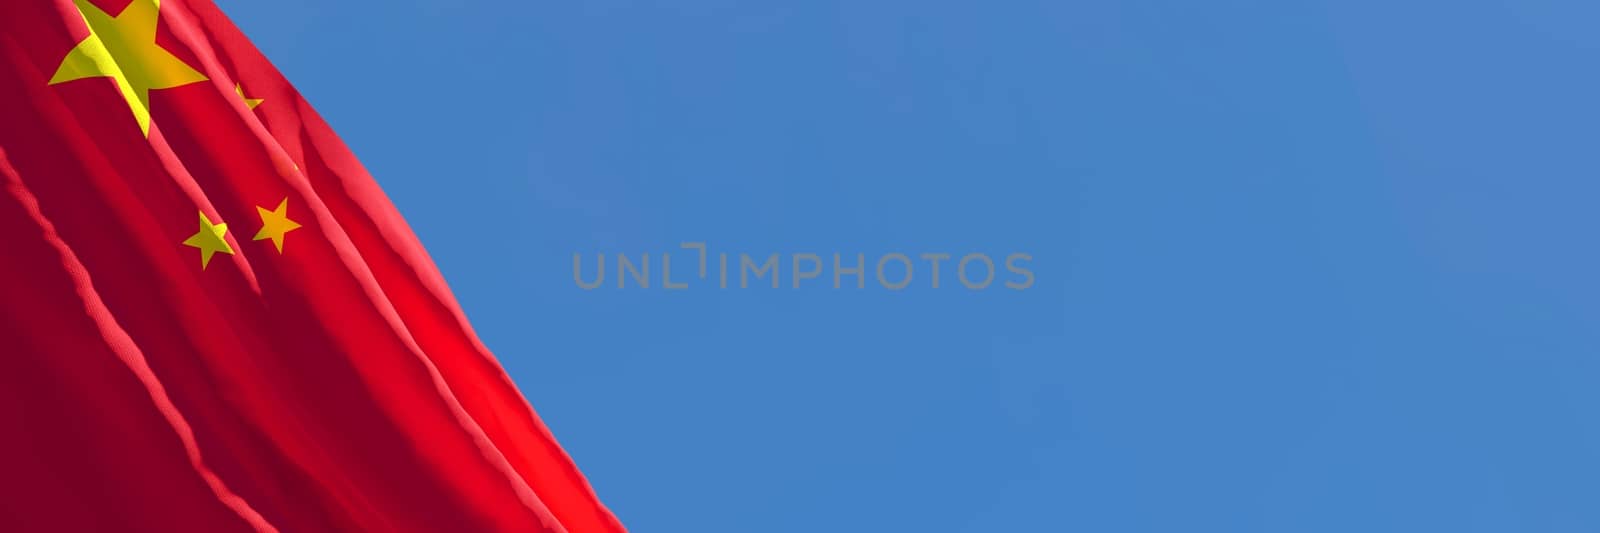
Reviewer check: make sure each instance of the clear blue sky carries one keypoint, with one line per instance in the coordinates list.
(1321, 266)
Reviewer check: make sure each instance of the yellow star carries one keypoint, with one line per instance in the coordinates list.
(209, 240)
(252, 102)
(124, 48)
(276, 223)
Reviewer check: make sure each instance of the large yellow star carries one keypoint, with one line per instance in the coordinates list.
(124, 48)
(276, 223)
(209, 240)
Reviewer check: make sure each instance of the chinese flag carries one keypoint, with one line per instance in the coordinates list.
(211, 318)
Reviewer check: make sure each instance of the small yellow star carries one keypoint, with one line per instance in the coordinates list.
(252, 102)
(276, 223)
(209, 240)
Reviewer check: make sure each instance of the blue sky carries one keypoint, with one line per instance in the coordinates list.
(1301, 265)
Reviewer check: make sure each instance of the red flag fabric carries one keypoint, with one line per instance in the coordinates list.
(211, 317)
